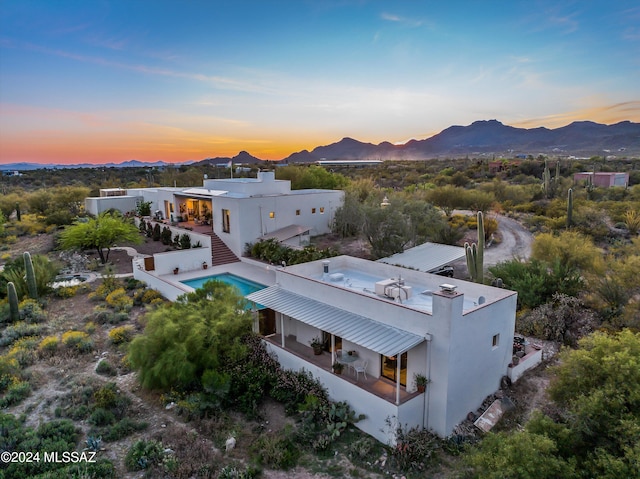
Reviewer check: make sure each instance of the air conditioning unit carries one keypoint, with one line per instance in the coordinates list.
(381, 286)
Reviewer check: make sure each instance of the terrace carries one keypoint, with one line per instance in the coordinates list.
(378, 386)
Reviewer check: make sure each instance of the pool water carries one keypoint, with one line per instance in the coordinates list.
(245, 286)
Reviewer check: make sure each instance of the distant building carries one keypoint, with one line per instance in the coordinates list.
(11, 173)
(603, 179)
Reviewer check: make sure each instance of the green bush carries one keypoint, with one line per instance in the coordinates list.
(101, 417)
(77, 341)
(15, 393)
(278, 451)
(19, 330)
(119, 300)
(144, 454)
(121, 334)
(122, 429)
(104, 367)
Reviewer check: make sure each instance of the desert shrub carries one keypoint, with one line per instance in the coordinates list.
(121, 429)
(278, 451)
(121, 334)
(293, 387)
(48, 345)
(65, 291)
(90, 327)
(77, 341)
(109, 283)
(101, 417)
(117, 318)
(15, 393)
(415, 449)
(238, 472)
(564, 319)
(185, 241)
(24, 350)
(105, 368)
(31, 312)
(146, 296)
(106, 397)
(132, 283)
(119, 300)
(144, 454)
(19, 330)
(125, 364)
(165, 236)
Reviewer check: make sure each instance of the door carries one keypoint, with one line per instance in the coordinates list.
(389, 368)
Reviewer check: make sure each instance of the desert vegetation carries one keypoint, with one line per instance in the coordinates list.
(103, 366)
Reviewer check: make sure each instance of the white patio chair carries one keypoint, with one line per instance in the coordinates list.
(361, 368)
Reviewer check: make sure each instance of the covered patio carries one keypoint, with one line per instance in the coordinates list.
(378, 386)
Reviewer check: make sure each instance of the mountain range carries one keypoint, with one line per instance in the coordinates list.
(481, 138)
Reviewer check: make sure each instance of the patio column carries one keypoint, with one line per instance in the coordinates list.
(398, 363)
(282, 328)
(333, 349)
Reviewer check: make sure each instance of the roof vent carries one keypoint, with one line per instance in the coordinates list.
(448, 288)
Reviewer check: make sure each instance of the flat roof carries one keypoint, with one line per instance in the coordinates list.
(426, 257)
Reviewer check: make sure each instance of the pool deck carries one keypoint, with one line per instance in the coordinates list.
(249, 269)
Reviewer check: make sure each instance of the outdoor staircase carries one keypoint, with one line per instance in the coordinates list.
(220, 252)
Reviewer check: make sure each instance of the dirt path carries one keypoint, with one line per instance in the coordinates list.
(516, 242)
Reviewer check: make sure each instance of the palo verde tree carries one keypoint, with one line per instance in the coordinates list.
(193, 339)
(100, 233)
(594, 431)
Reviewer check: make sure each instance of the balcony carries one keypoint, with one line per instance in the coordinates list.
(378, 386)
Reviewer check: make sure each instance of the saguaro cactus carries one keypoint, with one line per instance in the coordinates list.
(546, 179)
(569, 207)
(475, 254)
(32, 287)
(14, 310)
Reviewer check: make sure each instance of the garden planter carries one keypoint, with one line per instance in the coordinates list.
(175, 270)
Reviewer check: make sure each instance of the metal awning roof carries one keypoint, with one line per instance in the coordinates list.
(287, 232)
(426, 257)
(367, 333)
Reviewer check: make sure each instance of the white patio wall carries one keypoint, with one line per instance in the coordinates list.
(185, 260)
(377, 409)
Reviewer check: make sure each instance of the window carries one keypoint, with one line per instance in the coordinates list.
(297, 212)
(226, 221)
(272, 214)
(322, 210)
(496, 340)
(313, 211)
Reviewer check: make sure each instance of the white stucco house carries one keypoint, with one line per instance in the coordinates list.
(238, 210)
(396, 323)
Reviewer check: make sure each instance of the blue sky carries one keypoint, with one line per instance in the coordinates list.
(103, 81)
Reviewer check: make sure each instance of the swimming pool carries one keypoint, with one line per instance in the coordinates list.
(245, 286)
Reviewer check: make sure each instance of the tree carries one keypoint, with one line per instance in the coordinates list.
(387, 229)
(99, 233)
(198, 334)
(599, 386)
(537, 281)
(570, 248)
(520, 455)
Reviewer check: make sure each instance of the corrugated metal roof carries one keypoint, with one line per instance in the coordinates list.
(426, 257)
(287, 232)
(378, 337)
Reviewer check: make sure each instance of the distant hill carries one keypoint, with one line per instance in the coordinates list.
(481, 138)
(124, 164)
(582, 138)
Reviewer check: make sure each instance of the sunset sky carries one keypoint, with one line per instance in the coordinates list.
(110, 81)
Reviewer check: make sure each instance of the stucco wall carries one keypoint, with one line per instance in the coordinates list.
(97, 205)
